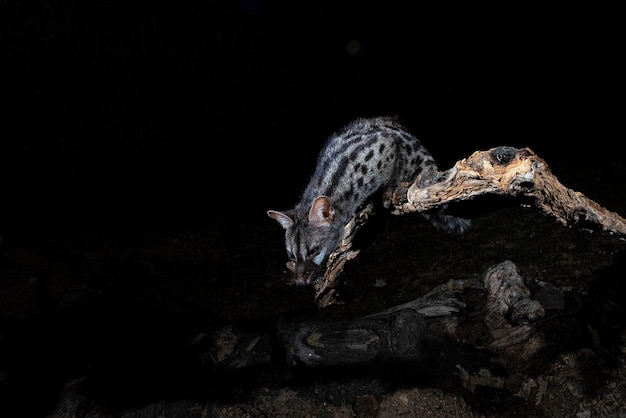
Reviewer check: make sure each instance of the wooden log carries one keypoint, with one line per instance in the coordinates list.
(477, 333)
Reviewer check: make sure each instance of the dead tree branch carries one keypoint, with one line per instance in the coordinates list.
(505, 171)
(501, 171)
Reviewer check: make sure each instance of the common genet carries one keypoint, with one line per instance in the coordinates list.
(365, 157)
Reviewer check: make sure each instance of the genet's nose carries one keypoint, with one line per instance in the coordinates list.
(303, 276)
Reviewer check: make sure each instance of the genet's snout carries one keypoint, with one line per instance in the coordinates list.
(305, 274)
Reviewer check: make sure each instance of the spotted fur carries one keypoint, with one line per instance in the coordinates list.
(366, 156)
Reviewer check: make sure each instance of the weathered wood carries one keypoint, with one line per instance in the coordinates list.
(325, 290)
(501, 171)
(505, 171)
(499, 319)
(490, 332)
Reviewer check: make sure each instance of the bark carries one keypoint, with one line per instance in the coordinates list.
(497, 332)
(501, 171)
(505, 171)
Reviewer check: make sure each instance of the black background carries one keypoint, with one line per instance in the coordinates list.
(123, 112)
(175, 125)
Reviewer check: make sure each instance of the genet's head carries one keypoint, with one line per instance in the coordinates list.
(309, 242)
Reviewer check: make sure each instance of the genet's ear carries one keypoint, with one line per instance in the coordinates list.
(283, 218)
(321, 212)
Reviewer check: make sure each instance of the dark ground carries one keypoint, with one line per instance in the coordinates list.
(142, 145)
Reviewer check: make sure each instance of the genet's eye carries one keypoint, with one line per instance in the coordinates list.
(313, 251)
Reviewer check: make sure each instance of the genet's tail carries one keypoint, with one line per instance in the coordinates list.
(448, 223)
